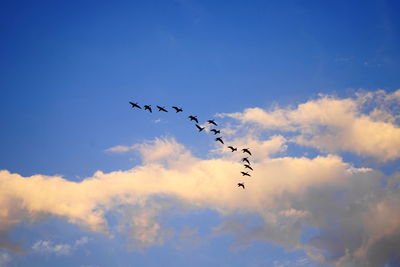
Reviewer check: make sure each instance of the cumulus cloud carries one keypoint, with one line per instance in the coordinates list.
(366, 125)
(355, 211)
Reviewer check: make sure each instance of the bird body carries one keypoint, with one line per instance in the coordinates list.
(148, 107)
(215, 131)
(241, 185)
(246, 150)
(232, 148)
(212, 122)
(177, 109)
(135, 105)
(219, 139)
(193, 118)
(162, 109)
(247, 166)
(200, 128)
(245, 174)
(246, 160)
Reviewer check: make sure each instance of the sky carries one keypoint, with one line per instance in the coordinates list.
(312, 88)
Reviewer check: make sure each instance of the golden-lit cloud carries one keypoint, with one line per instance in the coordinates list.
(366, 125)
(285, 192)
(356, 211)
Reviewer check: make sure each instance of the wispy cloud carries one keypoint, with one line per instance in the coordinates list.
(5, 258)
(119, 149)
(49, 247)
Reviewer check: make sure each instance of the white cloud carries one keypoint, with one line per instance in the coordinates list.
(120, 149)
(49, 247)
(285, 192)
(45, 246)
(356, 211)
(5, 258)
(333, 125)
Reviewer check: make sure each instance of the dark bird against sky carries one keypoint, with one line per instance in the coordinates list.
(219, 139)
(246, 160)
(246, 150)
(162, 109)
(247, 166)
(148, 107)
(245, 174)
(215, 131)
(241, 185)
(200, 128)
(232, 148)
(193, 118)
(177, 109)
(212, 122)
(135, 105)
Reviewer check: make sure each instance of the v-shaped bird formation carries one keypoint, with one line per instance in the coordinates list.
(244, 160)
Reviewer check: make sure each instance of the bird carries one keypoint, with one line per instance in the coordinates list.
(193, 118)
(246, 160)
(247, 166)
(135, 105)
(215, 131)
(246, 150)
(232, 148)
(212, 122)
(245, 174)
(177, 109)
(241, 185)
(148, 107)
(162, 109)
(219, 139)
(200, 128)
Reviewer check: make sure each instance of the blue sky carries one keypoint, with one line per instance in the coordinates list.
(309, 85)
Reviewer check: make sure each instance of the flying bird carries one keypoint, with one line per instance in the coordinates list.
(135, 105)
(200, 128)
(215, 131)
(212, 122)
(246, 160)
(232, 148)
(219, 139)
(177, 109)
(246, 150)
(245, 174)
(247, 166)
(193, 118)
(241, 185)
(148, 107)
(162, 109)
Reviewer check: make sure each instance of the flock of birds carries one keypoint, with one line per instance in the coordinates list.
(244, 160)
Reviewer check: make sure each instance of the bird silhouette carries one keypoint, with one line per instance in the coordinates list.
(246, 150)
(200, 128)
(247, 166)
(246, 160)
(212, 122)
(245, 174)
(232, 148)
(193, 118)
(148, 107)
(215, 131)
(219, 139)
(162, 109)
(135, 105)
(241, 185)
(177, 109)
